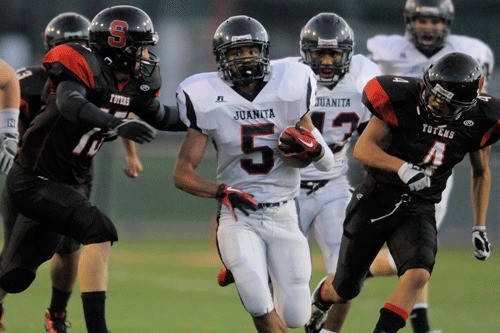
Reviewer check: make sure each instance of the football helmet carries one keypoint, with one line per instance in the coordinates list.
(428, 41)
(327, 31)
(239, 31)
(65, 28)
(121, 35)
(451, 86)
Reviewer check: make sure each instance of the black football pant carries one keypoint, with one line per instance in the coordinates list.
(378, 215)
(47, 210)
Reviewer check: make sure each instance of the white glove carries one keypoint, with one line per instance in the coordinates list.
(9, 136)
(482, 247)
(414, 176)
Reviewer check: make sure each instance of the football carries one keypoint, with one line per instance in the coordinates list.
(295, 160)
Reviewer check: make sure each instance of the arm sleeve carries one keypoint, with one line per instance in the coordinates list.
(162, 117)
(72, 103)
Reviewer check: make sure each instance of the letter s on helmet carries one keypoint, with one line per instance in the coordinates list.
(119, 34)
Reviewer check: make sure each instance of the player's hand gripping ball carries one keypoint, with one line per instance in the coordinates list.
(297, 147)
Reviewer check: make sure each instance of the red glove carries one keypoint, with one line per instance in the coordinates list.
(300, 137)
(234, 197)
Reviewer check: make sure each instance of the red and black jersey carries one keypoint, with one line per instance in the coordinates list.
(419, 140)
(58, 149)
(32, 81)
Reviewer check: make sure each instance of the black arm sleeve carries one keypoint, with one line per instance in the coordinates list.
(71, 102)
(162, 117)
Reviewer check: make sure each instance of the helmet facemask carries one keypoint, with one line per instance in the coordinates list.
(426, 40)
(440, 105)
(328, 74)
(243, 70)
(140, 54)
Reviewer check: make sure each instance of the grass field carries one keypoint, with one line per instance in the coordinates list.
(169, 286)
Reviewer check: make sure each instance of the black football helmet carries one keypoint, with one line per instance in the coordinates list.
(65, 28)
(327, 31)
(120, 34)
(451, 86)
(426, 41)
(239, 31)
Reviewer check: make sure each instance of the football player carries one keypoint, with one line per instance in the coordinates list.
(419, 132)
(92, 92)
(327, 46)
(63, 28)
(243, 109)
(10, 98)
(427, 37)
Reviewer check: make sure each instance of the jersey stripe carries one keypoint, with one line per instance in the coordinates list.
(493, 132)
(190, 113)
(378, 98)
(73, 61)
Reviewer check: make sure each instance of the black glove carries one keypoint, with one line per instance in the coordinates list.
(482, 247)
(133, 129)
(234, 197)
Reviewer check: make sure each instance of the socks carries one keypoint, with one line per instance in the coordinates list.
(391, 319)
(419, 320)
(93, 309)
(59, 300)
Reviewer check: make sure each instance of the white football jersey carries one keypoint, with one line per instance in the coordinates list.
(245, 132)
(396, 55)
(338, 112)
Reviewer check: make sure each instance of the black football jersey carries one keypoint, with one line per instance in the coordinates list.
(59, 149)
(32, 81)
(419, 140)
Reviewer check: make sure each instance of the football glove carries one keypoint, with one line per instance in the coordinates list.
(9, 136)
(8, 149)
(414, 176)
(299, 139)
(234, 197)
(482, 247)
(133, 129)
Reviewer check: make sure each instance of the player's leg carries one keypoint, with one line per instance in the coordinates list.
(9, 215)
(419, 315)
(63, 274)
(63, 209)
(414, 261)
(328, 230)
(289, 264)
(243, 252)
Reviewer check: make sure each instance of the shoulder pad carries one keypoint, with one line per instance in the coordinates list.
(363, 70)
(386, 47)
(72, 61)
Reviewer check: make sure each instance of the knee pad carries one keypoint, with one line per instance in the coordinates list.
(347, 288)
(30, 246)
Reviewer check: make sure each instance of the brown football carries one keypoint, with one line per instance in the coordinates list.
(294, 161)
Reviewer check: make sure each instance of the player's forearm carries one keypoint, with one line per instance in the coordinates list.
(372, 155)
(10, 92)
(162, 117)
(190, 181)
(480, 195)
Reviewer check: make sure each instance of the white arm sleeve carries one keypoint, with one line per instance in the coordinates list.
(326, 162)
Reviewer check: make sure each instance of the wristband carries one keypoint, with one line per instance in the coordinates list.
(8, 119)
